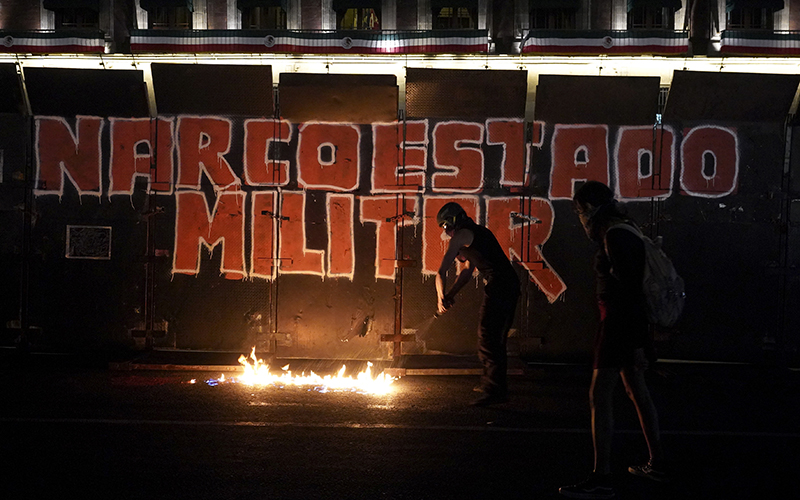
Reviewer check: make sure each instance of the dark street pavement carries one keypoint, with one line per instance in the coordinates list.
(73, 427)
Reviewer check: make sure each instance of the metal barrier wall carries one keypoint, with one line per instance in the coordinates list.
(301, 218)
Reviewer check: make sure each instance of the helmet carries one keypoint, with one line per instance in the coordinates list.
(450, 215)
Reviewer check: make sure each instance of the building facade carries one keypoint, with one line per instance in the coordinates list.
(541, 27)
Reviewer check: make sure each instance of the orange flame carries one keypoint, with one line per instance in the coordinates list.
(256, 372)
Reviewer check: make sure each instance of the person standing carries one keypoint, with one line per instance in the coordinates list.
(478, 247)
(622, 342)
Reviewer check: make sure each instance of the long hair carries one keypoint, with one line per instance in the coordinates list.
(593, 193)
(606, 209)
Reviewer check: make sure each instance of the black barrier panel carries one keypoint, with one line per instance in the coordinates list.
(91, 92)
(10, 90)
(207, 89)
(470, 96)
(12, 216)
(338, 98)
(618, 100)
(464, 94)
(736, 97)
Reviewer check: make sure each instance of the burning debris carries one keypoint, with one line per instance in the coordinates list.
(257, 373)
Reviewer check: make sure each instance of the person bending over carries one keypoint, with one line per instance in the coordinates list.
(478, 248)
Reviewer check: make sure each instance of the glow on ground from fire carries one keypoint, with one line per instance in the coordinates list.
(257, 373)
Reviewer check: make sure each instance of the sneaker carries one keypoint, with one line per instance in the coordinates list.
(594, 488)
(648, 470)
(490, 399)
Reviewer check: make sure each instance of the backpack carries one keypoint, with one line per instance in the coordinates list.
(662, 286)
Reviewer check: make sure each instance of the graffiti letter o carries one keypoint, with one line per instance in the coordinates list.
(710, 162)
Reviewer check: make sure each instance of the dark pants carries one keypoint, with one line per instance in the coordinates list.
(496, 317)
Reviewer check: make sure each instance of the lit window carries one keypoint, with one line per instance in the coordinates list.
(358, 19)
(76, 19)
(752, 18)
(455, 18)
(554, 14)
(168, 14)
(263, 18)
(553, 19)
(651, 17)
(169, 18)
(74, 14)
